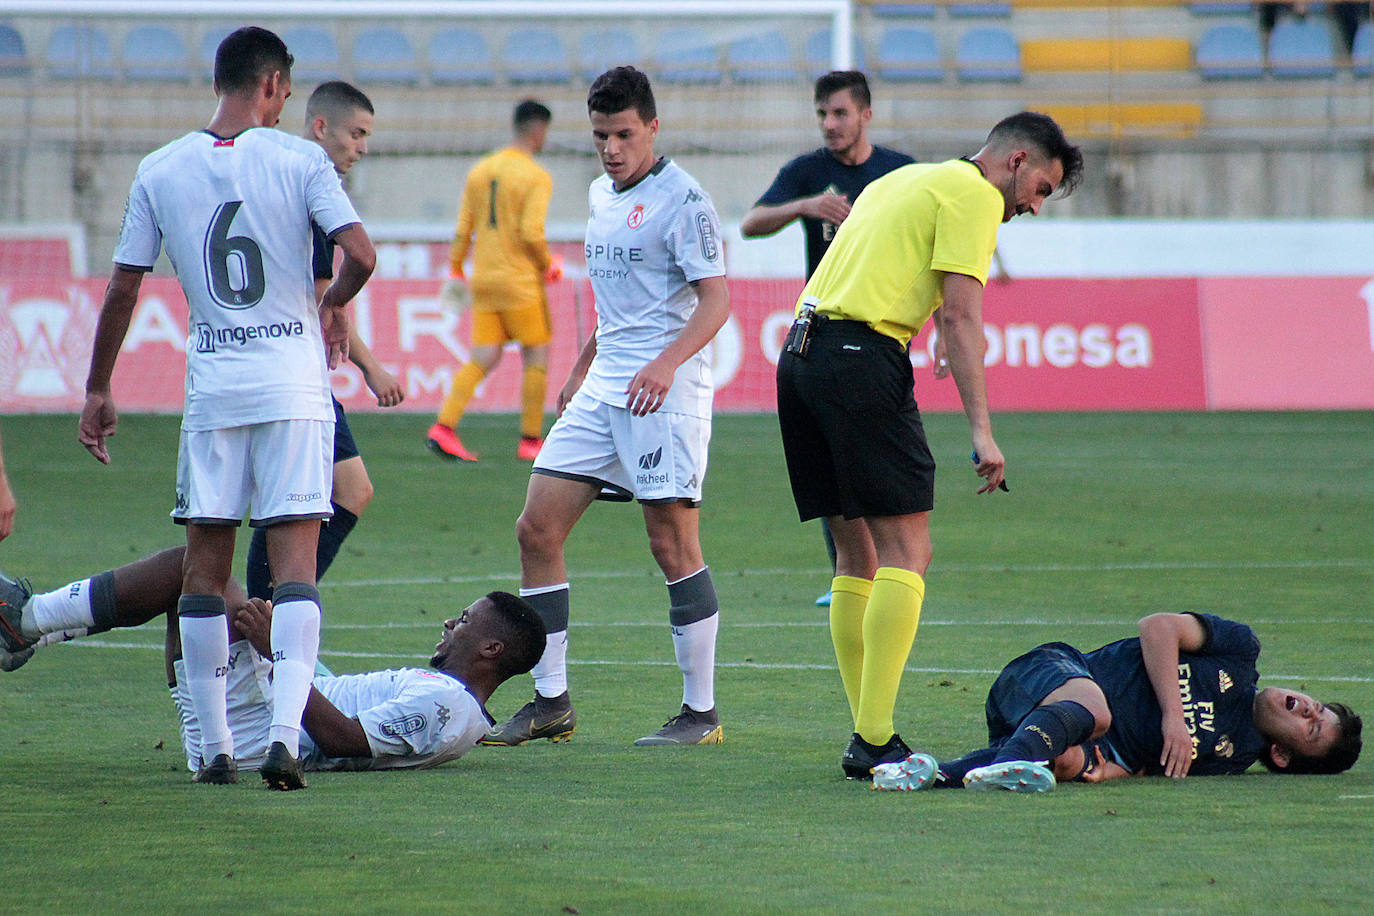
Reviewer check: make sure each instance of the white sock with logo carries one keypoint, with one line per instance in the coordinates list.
(295, 648)
(695, 647)
(66, 608)
(205, 648)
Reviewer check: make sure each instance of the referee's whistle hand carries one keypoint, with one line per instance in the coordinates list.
(991, 466)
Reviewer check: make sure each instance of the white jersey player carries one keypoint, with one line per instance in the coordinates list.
(635, 414)
(233, 206)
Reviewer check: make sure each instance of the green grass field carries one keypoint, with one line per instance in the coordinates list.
(1268, 518)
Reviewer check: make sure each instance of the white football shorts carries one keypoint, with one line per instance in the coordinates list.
(657, 458)
(283, 470)
(250, 710)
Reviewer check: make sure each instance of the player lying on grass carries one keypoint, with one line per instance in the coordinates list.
(1181, 698)
(402, 718)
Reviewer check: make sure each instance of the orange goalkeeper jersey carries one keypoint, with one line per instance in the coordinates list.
(501, 217)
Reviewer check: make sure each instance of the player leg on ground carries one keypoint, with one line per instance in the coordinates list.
(693, 618)
(552, 507)
(887, 556)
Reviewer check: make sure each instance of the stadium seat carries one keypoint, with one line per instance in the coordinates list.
(988, 54)
(316, 53)
(77, 52)
(1235, 7)
(536, 55)
(909, 54)
(460, 57)
(817, 53)
(384, 55)
(603, 49)
(1105, 54)
(1301, 48)
(687, 56)
(904, 10)
(957, 9)
(760, 58)
(155, 53)
(1362, 51)
(14, 59)
(1230, 52)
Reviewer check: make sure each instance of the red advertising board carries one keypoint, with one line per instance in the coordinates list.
(1141, 344)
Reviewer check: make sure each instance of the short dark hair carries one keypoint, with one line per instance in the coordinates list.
(247, 55)
(1041, 131)
(853, 80)
(1340, 758)
(620, 89)
(530, 111)
(334, 99)
(522, 632)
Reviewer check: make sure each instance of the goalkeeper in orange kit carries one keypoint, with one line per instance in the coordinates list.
(501, 219)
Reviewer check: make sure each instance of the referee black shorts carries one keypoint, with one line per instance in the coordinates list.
(851, 431)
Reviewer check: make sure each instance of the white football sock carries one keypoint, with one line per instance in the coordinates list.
(66, 608)
(551, 671)
(205, 647)
(295, 647)
(694, 644)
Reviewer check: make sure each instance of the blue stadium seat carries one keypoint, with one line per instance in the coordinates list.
(1221, 9)
(909, 54)
(77, 52)
(14, 59)
(536, 55)
(1301, 48)
(687, 56)
(957, 9)
(988, 54)
(209, 44)
(316, 53)
(760, 58)
(155, 53)
(1362, 51)
(904, 10)
(603, 49)
(384, 55)
(1230, 52)
(817, 53)
(460, 57)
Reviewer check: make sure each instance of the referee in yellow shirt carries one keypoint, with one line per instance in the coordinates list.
(501, 217)
(918, 242)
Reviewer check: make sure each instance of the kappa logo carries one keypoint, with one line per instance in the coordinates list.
(649, 460)
(182, 503)
(693, 196)
(1225, 681)
(636, 217)
(441, 715)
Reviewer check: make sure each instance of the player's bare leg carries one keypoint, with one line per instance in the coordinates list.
(205, 643)
(552, 507)
(693, 618)
(295, 638)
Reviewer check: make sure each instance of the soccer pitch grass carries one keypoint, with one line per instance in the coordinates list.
(1267, 518)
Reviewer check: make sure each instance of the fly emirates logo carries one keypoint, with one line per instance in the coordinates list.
(1199, 715)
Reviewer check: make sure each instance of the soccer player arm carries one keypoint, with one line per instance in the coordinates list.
(532, 218)
(98, 416)
(1162, 638)
(648, 389)
(1073, 765)
(359, 260)
(766, 219)
(577, 373)
(7, 503)
(382, 383)
(961, 329)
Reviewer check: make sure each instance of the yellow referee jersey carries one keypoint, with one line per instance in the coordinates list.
(885, 266)
(501, 216)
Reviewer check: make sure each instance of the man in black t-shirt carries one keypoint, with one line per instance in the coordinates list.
(1179, 699)
(819, 187)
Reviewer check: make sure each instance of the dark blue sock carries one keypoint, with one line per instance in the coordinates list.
(332, 534)
(1048, 732)
(953, 772)
(258, 577)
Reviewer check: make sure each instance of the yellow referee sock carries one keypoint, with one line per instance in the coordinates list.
(459, 393)
(894, 608)
(849, 597)
(533, 384)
